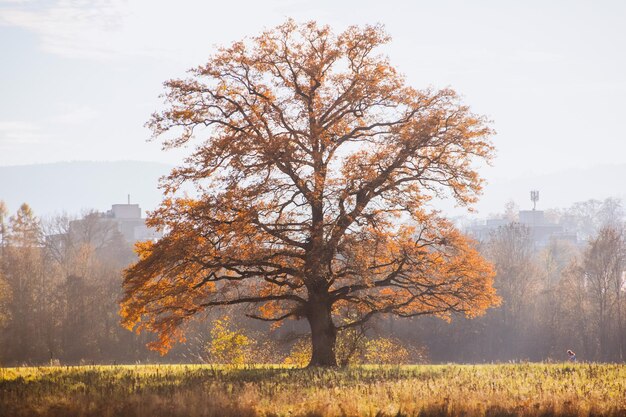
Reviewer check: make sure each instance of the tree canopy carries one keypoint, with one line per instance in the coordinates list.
(314, 164)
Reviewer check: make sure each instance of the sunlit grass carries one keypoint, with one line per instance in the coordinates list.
(266, 390)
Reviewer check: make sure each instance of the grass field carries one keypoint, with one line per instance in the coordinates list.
(422, 390)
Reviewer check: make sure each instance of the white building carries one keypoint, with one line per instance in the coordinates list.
(130, 223)
(125, 218)
(541, 230)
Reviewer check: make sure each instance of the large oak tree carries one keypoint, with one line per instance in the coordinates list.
(314, 163)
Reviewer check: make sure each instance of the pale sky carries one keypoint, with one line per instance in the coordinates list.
(79, 78)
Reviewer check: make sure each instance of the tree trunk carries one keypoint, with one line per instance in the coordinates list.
(323, 334)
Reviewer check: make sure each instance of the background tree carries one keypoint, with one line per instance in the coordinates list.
(588, 217)
(554, 324)
(314, 163)
(603, 266)
(511, 250)
(22, 269)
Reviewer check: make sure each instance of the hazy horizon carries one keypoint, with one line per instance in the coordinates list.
(75, 186)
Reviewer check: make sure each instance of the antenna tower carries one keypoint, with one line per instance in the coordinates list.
(534, 197)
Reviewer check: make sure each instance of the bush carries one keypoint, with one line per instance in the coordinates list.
(300, 354)
(390, 351)
(228, 344)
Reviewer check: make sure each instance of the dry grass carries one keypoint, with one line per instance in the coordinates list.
(438, 390)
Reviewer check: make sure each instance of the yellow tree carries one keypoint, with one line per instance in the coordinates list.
(314, 164)
(23, 272)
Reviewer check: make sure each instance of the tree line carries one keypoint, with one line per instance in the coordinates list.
(555, 297)
(60, 287)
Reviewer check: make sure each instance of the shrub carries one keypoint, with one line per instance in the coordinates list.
(300, 354)
(386, 351)
(229, 345)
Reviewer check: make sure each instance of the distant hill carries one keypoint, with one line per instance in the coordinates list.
(75, 186)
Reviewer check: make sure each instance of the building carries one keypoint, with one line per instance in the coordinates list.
(541, 230)
(130, 224)
(123, 218)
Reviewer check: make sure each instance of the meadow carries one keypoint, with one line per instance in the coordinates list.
(377, 391)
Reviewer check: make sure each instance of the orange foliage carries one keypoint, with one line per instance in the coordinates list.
(315, 164)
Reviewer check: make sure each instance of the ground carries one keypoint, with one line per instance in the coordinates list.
(422, 390)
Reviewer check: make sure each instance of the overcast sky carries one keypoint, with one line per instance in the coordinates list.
(79, 78)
